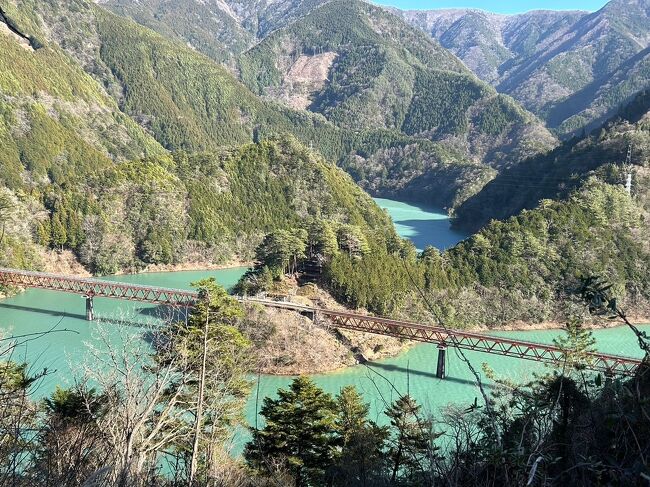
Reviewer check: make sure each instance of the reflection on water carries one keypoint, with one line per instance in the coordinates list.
(38, 311)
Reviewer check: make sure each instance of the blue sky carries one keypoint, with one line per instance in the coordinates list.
(506, 7)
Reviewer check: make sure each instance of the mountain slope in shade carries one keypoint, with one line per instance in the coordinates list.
(573, 69)
(603, 154)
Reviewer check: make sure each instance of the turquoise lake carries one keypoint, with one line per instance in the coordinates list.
(423, 226)
(414, 372)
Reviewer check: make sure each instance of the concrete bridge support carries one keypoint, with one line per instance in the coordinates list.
(90, 309)
(442, 356)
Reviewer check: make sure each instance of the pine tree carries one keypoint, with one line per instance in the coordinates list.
(281, 251)
(352, 240)
(360, 458)
(322, 239)
(411, 447)
(59, 234)
(44, 233)
(73, 229)
(6, 206)
(300, 433)
(216, 354)
(576, 345)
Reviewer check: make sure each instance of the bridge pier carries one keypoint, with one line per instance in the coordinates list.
(442, 355)
(90, 309)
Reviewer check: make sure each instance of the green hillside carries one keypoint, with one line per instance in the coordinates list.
(58, 129)
(521, 270)
(79, 174)
(198, 105)
(563, 216)
(209, 207)
(56, 121)
(602, 153)
(219, 29)
(186, 101)
(381, 73)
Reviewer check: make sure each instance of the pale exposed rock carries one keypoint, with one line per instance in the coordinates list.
(24, 43)
(63, 262)
(306, 76)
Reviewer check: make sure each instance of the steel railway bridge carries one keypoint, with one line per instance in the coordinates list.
(443, 337)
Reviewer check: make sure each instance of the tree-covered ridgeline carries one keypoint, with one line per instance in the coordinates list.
(63, 126)
(201, 106)
(618, 147)
(186, 101)
(385, 75)
(522, 269)
(211, 207)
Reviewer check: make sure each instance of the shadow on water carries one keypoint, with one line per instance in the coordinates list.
(80, 317)
(163, 312)
(423, 373)
(30, 309)
(432, 232)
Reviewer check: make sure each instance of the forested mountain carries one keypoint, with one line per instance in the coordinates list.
(573, 69)
(53, 111)
(362, 68)
(378, 123)
(219, 29)
(619, 147)
(185, 100)
(78, 173)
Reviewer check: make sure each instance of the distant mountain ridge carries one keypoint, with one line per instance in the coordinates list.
(221, 29)
(364, 69)
(357, 83)
(573, 69)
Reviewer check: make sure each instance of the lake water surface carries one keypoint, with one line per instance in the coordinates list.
(420, 224)
(381, 382)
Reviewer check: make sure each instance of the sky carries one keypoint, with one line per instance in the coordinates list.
(505, 7)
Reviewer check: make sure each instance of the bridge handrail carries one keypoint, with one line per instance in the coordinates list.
(454, 334)
(95, 281)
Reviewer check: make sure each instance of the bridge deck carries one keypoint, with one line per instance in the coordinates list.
(97, 287)
(539, 352)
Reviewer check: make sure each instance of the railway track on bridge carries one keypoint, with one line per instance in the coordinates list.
(443, 337)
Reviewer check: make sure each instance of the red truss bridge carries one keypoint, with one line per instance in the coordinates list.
(97, 287)
(443, 337)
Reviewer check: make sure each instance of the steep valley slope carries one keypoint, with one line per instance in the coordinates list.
(573, 69)
(619, 147)
(367, 81)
